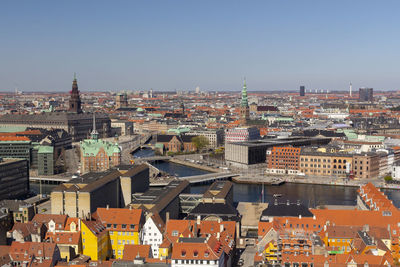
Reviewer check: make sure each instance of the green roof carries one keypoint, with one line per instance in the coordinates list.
(11, 128)
(91, 147)
(45, 149)
(159, 145)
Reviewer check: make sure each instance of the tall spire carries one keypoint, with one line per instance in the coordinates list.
(94, 133)
(75, 100)
(244, 102)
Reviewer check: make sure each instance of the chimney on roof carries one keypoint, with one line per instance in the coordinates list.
(167, 217)
(287, 202)
(299, 216)
(107, 207)
(366, 228)
(198, 219)
(221, 228)
(314, 217)
(218, 235)
(130, 207)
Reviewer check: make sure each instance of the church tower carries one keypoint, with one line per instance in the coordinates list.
(244, 106)
(75, 100)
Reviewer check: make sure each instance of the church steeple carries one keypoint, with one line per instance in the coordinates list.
(94, 134)
(75, 100)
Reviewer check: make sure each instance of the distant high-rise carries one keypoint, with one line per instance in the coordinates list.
(350, 89)
(197, 90)
(366, 94)
(302, 90)
(244, 106)
(75, 100)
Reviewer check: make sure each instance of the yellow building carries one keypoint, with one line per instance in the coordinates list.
(123, 226)
(271, 252)
(95, 240)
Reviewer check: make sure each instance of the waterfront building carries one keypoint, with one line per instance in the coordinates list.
(14, 178)
(325, 164)
(242, 134)
(245, 154)
(122, 127)
(286, 209)
(219, 192)
(73, 121)
(244, 106)
(123, 226)
(366, 94)
(83, 195)
(283, 160)
(98, 155)
(215, 137)
(175, 143)
(366, 165)
(164, 201)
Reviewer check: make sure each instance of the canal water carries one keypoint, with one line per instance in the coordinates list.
(307, 194)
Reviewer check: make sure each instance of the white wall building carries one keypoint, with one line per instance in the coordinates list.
(152, 233)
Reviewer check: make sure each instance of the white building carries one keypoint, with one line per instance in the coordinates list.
(215, 137)
(152, 233)
(396, 172)
(242, 134)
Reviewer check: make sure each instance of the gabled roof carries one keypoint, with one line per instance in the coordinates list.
(132, 252)
(59, 219)
(64, 237)
(119, 217)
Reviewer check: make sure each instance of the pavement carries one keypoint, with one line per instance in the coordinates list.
(248, 256)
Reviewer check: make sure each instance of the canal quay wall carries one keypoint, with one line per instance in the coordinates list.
(194, 165)
(311, 181)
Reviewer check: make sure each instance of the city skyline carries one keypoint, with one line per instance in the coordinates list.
(179, 46)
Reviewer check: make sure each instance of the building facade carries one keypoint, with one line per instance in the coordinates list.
(366, 94)
(283, 160)
(242, 134)
(14, 178)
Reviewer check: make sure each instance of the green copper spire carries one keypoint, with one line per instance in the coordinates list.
(74, 76)
(244, 102)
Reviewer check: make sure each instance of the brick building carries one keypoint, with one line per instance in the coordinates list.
(98, 155)
(284, 160)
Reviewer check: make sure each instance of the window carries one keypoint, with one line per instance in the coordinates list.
(124, 226)
(108, 225)
(174, 233)
(132, 226)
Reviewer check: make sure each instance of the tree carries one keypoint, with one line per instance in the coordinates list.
(388, 178)
(200, 142)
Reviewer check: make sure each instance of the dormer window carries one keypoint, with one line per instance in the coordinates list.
(132, 226)
(124, 226)
(183, 253)
(206, 253)
(108, 225)
(174, 233)
(195, 253)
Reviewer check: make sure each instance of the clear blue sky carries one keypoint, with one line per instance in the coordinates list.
(166, 45)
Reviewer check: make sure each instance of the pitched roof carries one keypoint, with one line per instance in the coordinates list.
(133, 251)
(119, 217)
(59, 219)
(64, 237)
